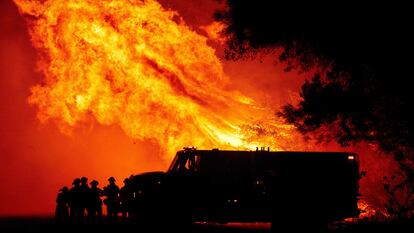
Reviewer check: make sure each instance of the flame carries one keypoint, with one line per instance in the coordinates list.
(367, 211)
(214, 32)
(136, 65)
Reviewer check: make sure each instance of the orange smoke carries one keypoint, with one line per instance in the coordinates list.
(139, 66)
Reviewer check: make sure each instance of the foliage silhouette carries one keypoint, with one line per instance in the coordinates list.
(364, 56)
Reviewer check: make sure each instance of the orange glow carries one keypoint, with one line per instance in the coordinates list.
(139, 66)
(368, 211)
(214, 32)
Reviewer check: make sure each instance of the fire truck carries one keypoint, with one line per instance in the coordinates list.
(250, 186)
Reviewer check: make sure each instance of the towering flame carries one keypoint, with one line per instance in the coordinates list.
(137, 65)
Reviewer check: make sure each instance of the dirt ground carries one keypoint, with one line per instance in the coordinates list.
(47, 224)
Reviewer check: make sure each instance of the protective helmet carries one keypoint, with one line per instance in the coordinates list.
(76, 181)
(94, 182)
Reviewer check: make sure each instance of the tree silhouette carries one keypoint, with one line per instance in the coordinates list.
(364, 52)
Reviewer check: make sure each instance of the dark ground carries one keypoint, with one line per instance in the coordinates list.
(46, 224)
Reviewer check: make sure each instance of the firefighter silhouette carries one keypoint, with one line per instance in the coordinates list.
(125, 197)
(75, 202)
(112, 203)
(62, 208)
(95, 202)
(84, 196)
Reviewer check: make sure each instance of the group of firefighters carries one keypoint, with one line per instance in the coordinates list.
(83, 199)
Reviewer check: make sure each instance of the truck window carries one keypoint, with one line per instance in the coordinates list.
(184, 162)
(188, 165)
(193, 163)
(196, 163)
(174, 164)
